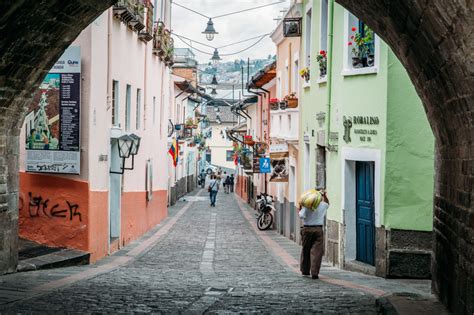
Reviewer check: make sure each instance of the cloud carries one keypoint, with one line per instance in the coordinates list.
(231, 28)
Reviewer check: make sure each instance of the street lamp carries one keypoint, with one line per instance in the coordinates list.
(215, 57)
(213, 92)
(210, 30)
(125, 144)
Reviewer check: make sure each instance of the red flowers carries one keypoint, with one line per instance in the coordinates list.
(322, 52)
(349, 43)
(274, 100)
(354, 29)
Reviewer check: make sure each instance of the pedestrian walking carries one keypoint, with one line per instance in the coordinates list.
(224, 182)
(231, 183)
(202, 178)
(312, 236)
(213, 189)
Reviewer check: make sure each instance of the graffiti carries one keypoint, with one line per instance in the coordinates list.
(38, 206)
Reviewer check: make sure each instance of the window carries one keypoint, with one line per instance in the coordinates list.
(115, 104)
(229, 155)
(287, 79)
(154, 110)
(294, 79)
(363, 58)
(128, 107)
(289, 123)
(323, 39)
(307, 45)
(138, 110)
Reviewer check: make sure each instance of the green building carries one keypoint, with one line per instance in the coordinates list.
(366, 139)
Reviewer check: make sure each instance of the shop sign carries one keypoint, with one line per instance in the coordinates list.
(265, 165)
(363, 127)
(279, 163)
(53, 121)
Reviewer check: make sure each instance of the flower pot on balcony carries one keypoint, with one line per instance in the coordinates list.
(283, 105)
(292, 103)
(358, 62)
(274, 106)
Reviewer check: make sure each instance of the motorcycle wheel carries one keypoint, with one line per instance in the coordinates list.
(264, 222)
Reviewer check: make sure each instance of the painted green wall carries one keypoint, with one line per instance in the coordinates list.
(387, 94)
(313, 97)
(410, 155)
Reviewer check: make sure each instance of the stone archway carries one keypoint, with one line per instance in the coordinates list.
(33, 35)
(433, 39)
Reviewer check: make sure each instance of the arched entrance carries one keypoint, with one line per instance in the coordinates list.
(433, 39)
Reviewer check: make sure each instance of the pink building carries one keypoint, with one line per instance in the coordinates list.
(125, 59)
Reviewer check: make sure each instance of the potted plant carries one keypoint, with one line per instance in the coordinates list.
(360, 44)
(291, 100)
(189, 122)
(322, 60)
(304, 73)
(283, 104)
(248, 140)
(274, 103)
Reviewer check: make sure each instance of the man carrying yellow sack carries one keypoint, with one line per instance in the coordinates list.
(313, 207)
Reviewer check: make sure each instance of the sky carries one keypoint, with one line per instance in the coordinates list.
(231, 29)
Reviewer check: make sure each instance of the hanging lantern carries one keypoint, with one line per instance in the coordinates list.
(210, 30)
(214, 82)
(215, 57)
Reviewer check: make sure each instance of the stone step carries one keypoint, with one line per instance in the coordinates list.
(58, 259)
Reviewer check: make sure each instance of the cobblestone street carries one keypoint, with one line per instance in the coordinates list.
(200, 260)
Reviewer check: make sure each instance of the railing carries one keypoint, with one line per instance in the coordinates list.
(284, 124)
(131, 13)
(163, 44)
(146, 34)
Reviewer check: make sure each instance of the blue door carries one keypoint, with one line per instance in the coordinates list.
(365, 214)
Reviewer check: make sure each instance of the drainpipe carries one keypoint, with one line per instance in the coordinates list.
(109, 58)
(329, 70)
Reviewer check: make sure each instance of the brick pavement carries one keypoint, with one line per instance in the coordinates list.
(200, 260)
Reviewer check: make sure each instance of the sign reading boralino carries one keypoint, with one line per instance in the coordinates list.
(53, 121)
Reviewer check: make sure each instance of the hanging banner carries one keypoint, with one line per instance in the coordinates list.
(52, 124)
(279, 160)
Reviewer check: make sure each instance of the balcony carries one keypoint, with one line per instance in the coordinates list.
(163, 44)
(284, 124)
(146, 34)
(131, 13)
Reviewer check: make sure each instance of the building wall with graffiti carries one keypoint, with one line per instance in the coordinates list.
(111, 201)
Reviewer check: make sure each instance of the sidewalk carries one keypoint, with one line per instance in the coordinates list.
(19, 286)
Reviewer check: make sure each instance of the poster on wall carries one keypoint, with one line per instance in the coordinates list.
(52, 124)
(279, 160)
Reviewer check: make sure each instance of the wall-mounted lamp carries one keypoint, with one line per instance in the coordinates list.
(128, 145)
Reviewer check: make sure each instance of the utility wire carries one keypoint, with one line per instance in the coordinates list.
(182, 38)
(245, 10)
(228, 54)
(242, 41)
(238, 52)
(198, 13)
(226, 14)
(194, 41)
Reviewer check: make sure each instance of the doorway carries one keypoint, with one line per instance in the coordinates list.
(115, 191)
(365, 214)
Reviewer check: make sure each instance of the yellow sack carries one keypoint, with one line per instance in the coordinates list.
(311, 199)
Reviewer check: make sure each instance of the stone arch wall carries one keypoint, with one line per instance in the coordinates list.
(433, 39)
(33, 35)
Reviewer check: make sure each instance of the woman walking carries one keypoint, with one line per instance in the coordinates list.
(213, 189)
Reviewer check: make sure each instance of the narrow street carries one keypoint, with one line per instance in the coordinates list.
(200, 260)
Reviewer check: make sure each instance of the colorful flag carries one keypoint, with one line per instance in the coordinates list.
(174, 151)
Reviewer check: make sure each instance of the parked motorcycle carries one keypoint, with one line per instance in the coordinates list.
(264, 211)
